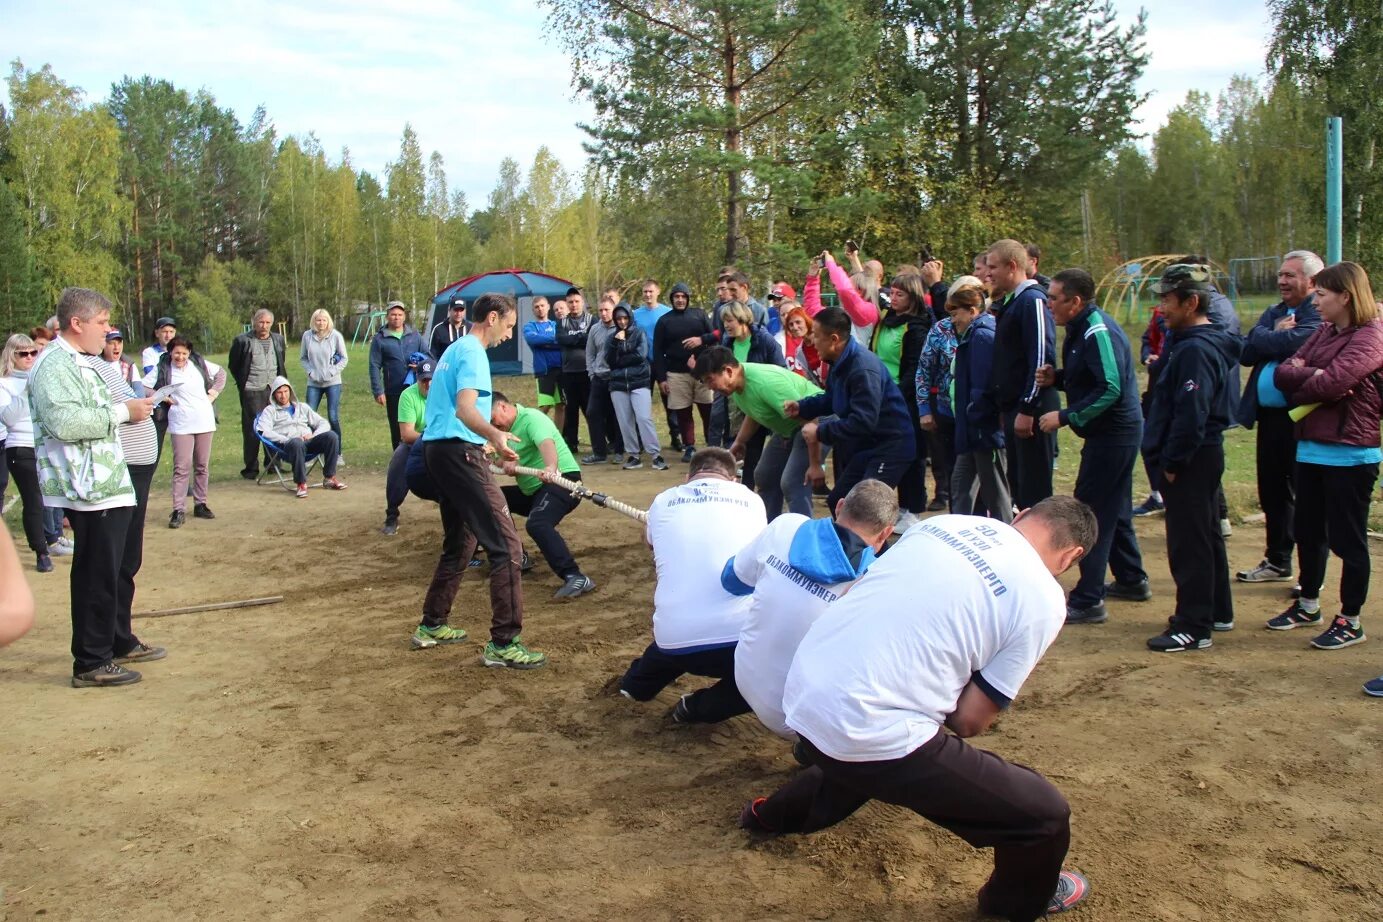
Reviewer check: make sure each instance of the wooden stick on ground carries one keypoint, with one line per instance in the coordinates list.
(213, 606)
(581, 490)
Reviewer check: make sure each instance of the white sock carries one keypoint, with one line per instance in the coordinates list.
(1310, 606)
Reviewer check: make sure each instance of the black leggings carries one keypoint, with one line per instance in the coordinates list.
(1332, 514)
(23, 468)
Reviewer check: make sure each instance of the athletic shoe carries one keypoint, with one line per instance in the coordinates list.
(687, 454)
(1374, 687)
(1339, 635)
(1128, 592)
(1264, 573)
(1223, 626)
(658, 463)
(302, 491)
(681, 714)
(676, 442)
(426, 637)
(202, 511)
(1174, 641)
(905, 521)
(749, 817)
(1296, 591)
(107, 676)
(1226, 528)
(44, 564)
(391, 525)
(939, 504)
(592, 459)
(177, 519)
(142, 653)
(1148, 507)
(575, 585)
(59, 549)
(475, 562)
(1294, 616)
(1095, 614)
(514, 655)
(632, 463)
(615, 458)
(525, 563)
(1071, 889)
(334, 483)
(249, 475)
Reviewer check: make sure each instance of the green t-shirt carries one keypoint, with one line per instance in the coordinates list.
(766, 387)
(413, 407)
(888, 346)
(741, 348)
(534, 428)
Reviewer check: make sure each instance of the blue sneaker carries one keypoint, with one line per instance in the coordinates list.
(1374, 687)
(1339, 635)
(1148, 507)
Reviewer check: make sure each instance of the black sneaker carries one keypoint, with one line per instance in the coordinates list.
(202, 511)
(1095, 614)
(1128, 592)
(575, 585)
(44, 564)
(659, 464)
(1071, 889)
(525, 563)
(632, 463)
(107, 676)
(1223, 626)
(142, 653)
(1148, 507)
(687, 454)
(391, 526)
(749, 818)
(249, 475)
(177, 519)
(939, 504)
(1174, 641)
(1292, 617)
(681, 714)
(592, 459)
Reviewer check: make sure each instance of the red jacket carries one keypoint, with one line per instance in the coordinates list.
(1347, 387)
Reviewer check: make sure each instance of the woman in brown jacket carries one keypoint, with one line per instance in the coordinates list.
(1338, 369)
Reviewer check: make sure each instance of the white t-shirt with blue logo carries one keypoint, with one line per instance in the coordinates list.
(463, 366)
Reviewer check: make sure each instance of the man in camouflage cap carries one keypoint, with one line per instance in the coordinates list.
(1183, 444)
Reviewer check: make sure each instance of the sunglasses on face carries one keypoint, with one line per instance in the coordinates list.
(26, 353)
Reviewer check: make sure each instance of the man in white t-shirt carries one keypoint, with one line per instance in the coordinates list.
(794, 570)
(940, 634)
(696, 622)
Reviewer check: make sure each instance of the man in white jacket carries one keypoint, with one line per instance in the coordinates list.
(299, 432)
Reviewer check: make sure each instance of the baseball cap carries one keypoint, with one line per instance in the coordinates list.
(115, 334)
(165, 322)
(1183, 277)
(424, 370)
(458, 303)
(782, 290)
(393, 304)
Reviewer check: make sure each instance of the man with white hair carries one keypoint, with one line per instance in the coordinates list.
(1274, 339)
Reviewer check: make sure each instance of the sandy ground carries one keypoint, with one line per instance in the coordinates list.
(299, 761)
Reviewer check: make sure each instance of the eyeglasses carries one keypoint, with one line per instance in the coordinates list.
(26, 353)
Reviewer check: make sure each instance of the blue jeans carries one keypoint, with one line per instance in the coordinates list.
(52, 523)
(333, 392)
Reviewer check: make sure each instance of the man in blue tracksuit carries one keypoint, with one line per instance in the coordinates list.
(872, 432)
(1102, 407)
(1024, 341)
(1183, 443)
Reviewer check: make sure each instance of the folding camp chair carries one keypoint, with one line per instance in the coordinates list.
(279, 470)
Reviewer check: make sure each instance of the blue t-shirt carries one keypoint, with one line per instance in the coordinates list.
(647, 319)
(1331, 454)
(464, 365)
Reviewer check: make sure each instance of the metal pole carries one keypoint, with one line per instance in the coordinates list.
(1334, 172)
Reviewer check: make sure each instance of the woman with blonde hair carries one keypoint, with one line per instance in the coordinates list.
(15, 361)
(323, 356)
(1333, 380)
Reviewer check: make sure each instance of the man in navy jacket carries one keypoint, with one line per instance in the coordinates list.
(1102, 407)
(1275, 338)
(1183, 441)
(389, 372)
(1024, 340)
(871, 432)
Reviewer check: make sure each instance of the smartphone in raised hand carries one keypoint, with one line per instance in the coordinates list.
(851, 246)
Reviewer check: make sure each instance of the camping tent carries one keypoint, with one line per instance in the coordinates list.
(513, 357)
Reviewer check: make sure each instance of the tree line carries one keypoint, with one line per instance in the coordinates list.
(751, 133)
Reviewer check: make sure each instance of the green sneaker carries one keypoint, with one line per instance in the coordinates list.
(425, 637)
(514, 655)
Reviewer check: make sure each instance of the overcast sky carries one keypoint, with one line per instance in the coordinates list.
(478, 81)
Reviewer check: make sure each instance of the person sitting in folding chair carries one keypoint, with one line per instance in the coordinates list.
(297, 434)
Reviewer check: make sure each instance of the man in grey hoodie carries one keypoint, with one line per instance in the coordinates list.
(297, 431)
(600, 411)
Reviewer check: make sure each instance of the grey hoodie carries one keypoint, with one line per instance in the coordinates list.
(323, 359)
(596, 363)
(295, 421)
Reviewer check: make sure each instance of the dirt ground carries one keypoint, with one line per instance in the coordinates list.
(298, 761)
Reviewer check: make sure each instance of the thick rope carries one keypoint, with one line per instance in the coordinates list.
(584, 492)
